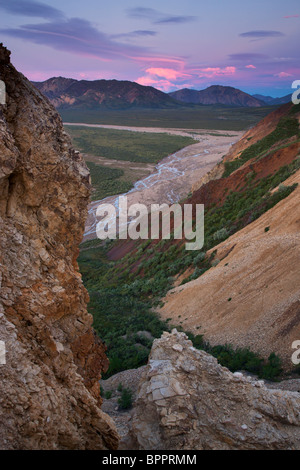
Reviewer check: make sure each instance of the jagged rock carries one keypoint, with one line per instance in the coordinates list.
(186, 400)
(49, 387)
(4, 55)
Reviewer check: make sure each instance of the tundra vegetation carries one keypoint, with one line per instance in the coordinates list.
(144, 147)
(107, 181)
(214, 117)
(125, 146)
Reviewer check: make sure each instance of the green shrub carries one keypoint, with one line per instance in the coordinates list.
(282, 187)
(107, 181)
(125, 402)
(221, 234)
(199, 258)
(272, 369)
(215, 262)
(198, 341)
(237, 359)
(241, 359)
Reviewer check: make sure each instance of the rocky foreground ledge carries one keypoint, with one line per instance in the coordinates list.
(186, 400)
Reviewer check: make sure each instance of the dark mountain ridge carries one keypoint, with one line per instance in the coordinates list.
(217, 94)
(269, 100)
(110, 94)
(69, 93)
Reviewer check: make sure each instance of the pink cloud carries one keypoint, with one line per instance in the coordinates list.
(169, 74)
(159, 60)
(164, 85)
(250, 66)
(282, 75)
(164, 78)
(291, 16)
(211, 72)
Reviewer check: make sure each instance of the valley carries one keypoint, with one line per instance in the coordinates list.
(172, 178)
(209, 117)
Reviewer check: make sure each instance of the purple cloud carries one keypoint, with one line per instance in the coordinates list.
(156, 17)
(247, 56)
(260, 34)
(30, 8)
(143, 32)
(134, 34)
(74, 35)
(175, 19)
(141, 12)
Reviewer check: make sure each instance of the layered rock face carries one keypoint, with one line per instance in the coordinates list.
(186, 400)
(49, 386)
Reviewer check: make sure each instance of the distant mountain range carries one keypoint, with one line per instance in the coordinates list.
(217, 94)
(109, 94)
(273, 101)
(68, 93)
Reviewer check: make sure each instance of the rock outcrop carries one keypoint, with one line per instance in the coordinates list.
(186, 400)
(49, 386)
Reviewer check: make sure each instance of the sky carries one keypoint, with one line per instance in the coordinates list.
(168, 44)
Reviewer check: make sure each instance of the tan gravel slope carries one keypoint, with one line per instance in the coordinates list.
(252, 297)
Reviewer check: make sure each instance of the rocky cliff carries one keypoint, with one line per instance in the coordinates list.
(49, 387)
(186, 400)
